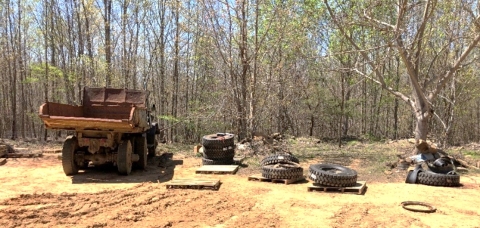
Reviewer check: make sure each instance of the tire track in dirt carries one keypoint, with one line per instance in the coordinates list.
(144, 205)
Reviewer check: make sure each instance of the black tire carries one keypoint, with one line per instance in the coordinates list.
(332, 175)
(141, 150)
(289, 170)
(70, 145)
(206, 161)
(151, 144)
(278, 158)
(218, 141)
(438, 179)
(219, 154)
(124, 157)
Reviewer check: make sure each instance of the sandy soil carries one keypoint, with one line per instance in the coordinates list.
(36, 193)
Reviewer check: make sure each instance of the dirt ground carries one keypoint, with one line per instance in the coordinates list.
(36, 193)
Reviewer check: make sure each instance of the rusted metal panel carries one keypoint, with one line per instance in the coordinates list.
(104, 109)
(111, 96)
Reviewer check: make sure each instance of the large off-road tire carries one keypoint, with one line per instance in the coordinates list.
(206, 161)
(438, 179)
(332, 175)
(124, 157)
(70, 145)
(278, 158)
(218, 141)
(141, 150)
(221, 154)
(287, 170)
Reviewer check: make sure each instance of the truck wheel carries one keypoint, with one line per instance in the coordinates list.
(124, 157)
(68, 156)
(332, 175)
(141, 150)
(218, 141)
(286, 170)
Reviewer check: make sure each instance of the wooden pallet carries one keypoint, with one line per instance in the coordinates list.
(359, 188)
(217, 169)
(193, 184)
(284, 181)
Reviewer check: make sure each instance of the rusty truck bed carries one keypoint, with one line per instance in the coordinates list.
(103, 109)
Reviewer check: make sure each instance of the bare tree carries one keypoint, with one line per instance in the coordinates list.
(409, 38)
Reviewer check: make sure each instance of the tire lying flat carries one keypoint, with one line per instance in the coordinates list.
(278, 158)
(332, 175)
(222, 154)
(217, 141)
(287, 170)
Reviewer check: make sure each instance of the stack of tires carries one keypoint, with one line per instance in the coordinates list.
(218, 149)
(281, 166)
(332, 175)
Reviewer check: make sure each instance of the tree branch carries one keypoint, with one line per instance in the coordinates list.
(449, 74)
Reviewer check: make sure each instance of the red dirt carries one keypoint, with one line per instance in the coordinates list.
(36, 193)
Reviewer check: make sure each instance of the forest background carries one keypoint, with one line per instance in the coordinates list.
(322, 68)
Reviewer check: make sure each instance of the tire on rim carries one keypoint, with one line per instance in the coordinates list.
(141, 150)
(278, 158)
(288, 170)
(438, 179)
(332, 175)
(218, 140)
(124, 157)
(70, 145)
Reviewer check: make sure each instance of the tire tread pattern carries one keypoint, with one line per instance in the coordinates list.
(347, 177)
(438, 179)
(278, 158)
(219, 154)
(216, 141)
(282, 171)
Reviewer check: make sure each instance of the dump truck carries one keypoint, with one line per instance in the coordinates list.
(111, 126)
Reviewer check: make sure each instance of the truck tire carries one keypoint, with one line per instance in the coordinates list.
(218, 153)
(217, 141)
(124, 157)
(141, 150)
(151, 144)
(287, 170)
(70, 145)
(278, 158)
(438, 179)
(332, 175)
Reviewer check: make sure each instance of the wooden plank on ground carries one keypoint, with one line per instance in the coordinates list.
(217, 169)
(193, 184)
(3, 161)
(359, 188)
(284, 181)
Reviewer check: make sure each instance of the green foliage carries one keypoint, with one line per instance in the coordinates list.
(38, 73)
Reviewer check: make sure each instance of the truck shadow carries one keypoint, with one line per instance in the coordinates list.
(159, 169)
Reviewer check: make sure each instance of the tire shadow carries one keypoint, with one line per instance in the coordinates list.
(159, 169)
